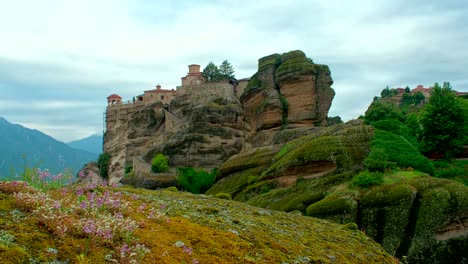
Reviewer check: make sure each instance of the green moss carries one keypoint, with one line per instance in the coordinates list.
(225, 196)
(339, 206)
(232, 184)
(256, 189)
(13, 255)
(388, 194)
(270, 60)
(259, 157)
(294, 54)
(401, 151)
(171, 189)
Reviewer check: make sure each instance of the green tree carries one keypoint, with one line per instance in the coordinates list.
(407, 99)
(385, 92)
(103, 163)
(196, 180)
(443, 121)
(159, 163)
(379, 110)
(226, 71)
(407, 89)
(377, 160)
(211, 73)
(418, 98)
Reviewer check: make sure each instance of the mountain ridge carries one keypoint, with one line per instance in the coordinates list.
(32, 148)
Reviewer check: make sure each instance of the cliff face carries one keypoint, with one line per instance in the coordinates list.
(130, 132)
(207, 124)
(288, 92)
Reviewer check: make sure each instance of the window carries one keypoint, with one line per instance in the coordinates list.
(162, 97)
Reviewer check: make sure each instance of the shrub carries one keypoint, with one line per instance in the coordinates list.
(401, 151)
(159, 163)
(128, 169)
(196, 180)
(103, 163)
(225, 196)
(377, 160)
(367, 178)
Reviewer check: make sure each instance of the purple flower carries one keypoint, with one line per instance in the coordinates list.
(89, 227)
(195, 261)
(187, 250)
(142, 207)
(162, 206)
(83, 205)
(79, 192)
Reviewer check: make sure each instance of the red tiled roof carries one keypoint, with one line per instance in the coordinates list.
(112, 96)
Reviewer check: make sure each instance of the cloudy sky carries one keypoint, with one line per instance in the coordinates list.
(60, 59)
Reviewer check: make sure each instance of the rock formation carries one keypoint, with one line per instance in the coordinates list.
(207, 123)
(288, 92)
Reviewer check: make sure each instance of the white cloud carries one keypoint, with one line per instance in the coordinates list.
(73, 54)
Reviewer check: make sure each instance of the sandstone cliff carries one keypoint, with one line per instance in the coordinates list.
(206, 124)
(288, 92)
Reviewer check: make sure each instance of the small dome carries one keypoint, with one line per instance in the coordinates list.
(114, 96)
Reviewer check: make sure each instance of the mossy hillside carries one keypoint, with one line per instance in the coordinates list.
(386, 212)
(341, 206)
(258, 157)
(401, 151)
(346, 150)
(355, 129)
(286, 234)
(403, 214)
(440, 202)
(300, 195)
(236, 182)
(212, 230)
(256, 189)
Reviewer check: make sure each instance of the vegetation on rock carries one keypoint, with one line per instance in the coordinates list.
(101, 224)
(103, 163)
(195, 180)
(159, 163)
(443, 122)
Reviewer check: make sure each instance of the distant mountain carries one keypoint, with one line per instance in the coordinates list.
(21, 146)
(91, 144)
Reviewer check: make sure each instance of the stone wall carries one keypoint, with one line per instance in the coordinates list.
(205, 92)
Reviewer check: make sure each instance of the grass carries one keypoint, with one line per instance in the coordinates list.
(456, 170)
(97, 224)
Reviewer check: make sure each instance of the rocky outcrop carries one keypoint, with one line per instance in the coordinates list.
(325, 151)
(207, 124)
(288, 91)
(410, 214)
(89, 173)
(423, 218)
(131, 131)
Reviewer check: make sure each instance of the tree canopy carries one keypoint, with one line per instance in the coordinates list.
(443, 121)
(213, 73)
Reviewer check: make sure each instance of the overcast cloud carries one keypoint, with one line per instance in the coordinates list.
(59, 60)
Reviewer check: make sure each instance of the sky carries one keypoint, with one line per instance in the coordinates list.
(60, 59)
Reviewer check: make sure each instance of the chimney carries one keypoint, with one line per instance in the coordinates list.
(158, 87)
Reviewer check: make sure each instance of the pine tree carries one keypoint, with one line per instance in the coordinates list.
(226, 70)
(211, 72)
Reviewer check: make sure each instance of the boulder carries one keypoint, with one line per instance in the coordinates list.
(89, 173)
